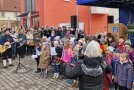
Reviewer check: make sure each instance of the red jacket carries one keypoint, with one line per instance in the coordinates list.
(121, 46)
(106, 86)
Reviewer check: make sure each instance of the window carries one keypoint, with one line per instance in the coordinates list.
(2, 14)
(29, 5)
(15, 14)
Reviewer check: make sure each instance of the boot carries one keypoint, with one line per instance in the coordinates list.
(10, 63)
(5, 63)
(76, 84)
(38, 70)
(57, 75)
(54, 75)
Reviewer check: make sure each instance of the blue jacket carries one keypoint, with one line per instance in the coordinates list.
(52, 38)
(5, 39)
(58, 51)
(124, 75)
(114, 64)
(23, 36)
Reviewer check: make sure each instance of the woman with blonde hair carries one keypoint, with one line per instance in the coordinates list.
(89, 72)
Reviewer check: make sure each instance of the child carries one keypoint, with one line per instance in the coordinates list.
(109, 54)
(121, 44)
(124, 74)
(56, 67)
(57, 57)
(52, 36)
(73, 62)
(129, 50)
(44, 59)
(36, 56)
(114, 63)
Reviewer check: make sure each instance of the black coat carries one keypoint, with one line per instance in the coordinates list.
(89, 72)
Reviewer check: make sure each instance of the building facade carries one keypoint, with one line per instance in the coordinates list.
(59, 12)
(9, 9)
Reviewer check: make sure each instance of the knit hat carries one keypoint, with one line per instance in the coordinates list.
(94, 38)
(110, 48)
(117, 50)
(113, 44)
(45, 44)
(102, 40)
(128, 42)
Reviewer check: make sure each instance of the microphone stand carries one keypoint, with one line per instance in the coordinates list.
(20, 65)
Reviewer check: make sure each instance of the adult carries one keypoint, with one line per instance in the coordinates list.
(6, 40)
(21, 44)
(30, 42)
(89, 72)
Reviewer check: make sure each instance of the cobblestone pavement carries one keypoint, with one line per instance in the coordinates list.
(9, 80)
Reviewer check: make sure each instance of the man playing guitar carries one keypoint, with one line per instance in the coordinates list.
(6, 40)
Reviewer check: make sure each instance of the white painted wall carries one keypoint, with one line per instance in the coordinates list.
(99, 10)
(10, 15)
(114, 12)
(81, 25)
(110, 11)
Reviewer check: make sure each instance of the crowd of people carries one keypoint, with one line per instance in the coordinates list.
(94, 62)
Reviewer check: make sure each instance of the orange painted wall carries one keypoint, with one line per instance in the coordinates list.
(58, 11)
(22, 10)
(83, 14)
(98, 23)
(53, 12)
(40, 7)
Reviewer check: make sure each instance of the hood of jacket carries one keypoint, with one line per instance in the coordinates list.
(91, 66)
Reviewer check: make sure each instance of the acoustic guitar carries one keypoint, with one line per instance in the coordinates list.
(6, 46)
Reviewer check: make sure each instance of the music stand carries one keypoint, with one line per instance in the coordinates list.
(20, 65)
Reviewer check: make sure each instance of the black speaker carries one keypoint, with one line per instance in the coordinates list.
(110, 19)
(74, 21)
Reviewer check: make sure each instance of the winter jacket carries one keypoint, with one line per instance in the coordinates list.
(23, 37)
(5, 38)
(121, 46)
(52, 37)
(66, 55)
(45, 58)
(89, 72)
(114, 64)
(58, 51)
(36, 37)
(124, 75)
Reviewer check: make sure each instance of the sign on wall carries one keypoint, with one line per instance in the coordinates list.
(115, 30)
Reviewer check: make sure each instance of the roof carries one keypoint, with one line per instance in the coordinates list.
(106, 3)
(10, 5)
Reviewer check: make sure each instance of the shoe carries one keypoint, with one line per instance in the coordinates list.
(57, 75)
(37, 71)
(5, 67)
(11, 65)
(13, 58)
(76, 84)
(54, 75)
(63, 77)
(22, 56)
